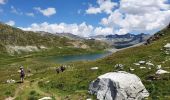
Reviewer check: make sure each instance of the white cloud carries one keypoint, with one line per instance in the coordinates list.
(11, 23)
(93, 10)
(82, 29)
(104, 6)
(142, 7)
(46, 12)
(103, 31)
(139, 16)
(2, 1)
(30, 14)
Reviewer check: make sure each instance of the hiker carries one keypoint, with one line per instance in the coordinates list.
(22, 74)
(62, 68)
(58, 70)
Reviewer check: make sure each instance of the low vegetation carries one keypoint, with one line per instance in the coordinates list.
(43, 79)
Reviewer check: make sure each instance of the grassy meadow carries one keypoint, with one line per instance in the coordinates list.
(73, 83)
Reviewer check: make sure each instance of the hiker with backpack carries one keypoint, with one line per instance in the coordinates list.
(22, 74)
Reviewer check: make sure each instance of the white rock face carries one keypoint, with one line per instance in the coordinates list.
(118, 86)
(19, 49)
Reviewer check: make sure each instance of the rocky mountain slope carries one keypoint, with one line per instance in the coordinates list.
(121, 41)
(70, 36)
(14, 40)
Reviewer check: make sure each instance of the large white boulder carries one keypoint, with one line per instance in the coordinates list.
(118, 86)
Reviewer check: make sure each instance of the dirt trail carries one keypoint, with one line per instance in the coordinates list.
(28, 85)
(20, 88)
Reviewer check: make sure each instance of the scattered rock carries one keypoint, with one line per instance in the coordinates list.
(11, 81)
(167, 46)
(149, 64)
(29, 74)
(9, 98)
(45, 98)
(119, 66)
(142, 62)
(137, 64)
(160, 71)
(159, 67)
(142, 67)
(118, 86)
(163, 62)
(167, 52)
(131, 69)
(94, 68)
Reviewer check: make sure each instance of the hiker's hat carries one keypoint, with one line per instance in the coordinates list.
(21, 67)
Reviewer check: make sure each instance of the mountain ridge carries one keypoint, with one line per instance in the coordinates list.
(16, 38)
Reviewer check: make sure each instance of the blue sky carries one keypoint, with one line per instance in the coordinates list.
(66, 11)
(86, 17)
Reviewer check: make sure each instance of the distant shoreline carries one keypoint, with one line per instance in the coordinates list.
(114, 50)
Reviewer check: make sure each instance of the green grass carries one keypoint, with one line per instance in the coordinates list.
(81, 75)
(73, 83)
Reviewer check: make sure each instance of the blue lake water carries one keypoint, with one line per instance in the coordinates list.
(73, 58)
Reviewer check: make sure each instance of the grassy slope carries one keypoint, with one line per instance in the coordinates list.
(73, 83)
(81, 75)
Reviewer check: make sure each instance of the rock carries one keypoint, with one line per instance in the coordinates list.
(167, 52)
(10, 98)
(94, 68)
(131, 69)
(137, 64)
(159, 67)
(160, 71)
(142, 62)
(163, 62)
(118, 86)
(167, 46)
(119, 66)
(142, 67)
(45, 98)
(149, 64)
(10, 81)
(89, 99)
